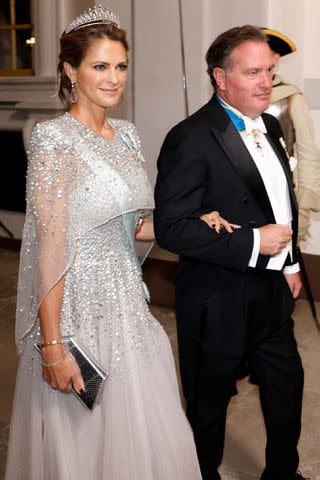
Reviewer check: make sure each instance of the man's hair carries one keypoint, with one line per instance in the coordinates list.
(221, 49)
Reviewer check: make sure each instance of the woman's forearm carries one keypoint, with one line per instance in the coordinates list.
(49, 313)
(59, 367)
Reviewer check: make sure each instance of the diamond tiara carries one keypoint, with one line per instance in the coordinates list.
(93, 16)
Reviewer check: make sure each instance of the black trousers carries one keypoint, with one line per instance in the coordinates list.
(246, 321)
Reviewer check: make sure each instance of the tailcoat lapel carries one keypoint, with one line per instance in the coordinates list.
(230, 141)
(284, 161)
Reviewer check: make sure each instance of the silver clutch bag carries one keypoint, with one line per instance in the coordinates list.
(93, 376)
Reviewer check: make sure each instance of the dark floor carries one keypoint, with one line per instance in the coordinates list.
(243, 459)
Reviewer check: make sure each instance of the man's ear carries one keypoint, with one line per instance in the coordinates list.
(70, 71)
(220, 77)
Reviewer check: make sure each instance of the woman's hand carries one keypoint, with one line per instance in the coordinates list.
(214, 221)
(63, 372)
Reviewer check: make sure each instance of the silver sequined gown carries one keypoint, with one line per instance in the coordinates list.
(138, 431)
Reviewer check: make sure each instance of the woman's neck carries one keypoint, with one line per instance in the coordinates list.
(95, 119)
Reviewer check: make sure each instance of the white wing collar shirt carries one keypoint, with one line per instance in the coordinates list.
(275, 183)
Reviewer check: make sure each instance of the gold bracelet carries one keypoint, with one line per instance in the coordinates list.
(57, 341)
(56, 363)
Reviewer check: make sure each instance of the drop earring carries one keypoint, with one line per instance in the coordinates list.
(73, 94)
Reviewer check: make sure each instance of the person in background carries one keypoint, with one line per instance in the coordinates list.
(289, 106)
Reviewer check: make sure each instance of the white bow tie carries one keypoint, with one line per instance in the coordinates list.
(254, 125)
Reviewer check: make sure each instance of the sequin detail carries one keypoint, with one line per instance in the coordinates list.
(105, 297)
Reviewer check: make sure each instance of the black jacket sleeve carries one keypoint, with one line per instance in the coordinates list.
(180, 188)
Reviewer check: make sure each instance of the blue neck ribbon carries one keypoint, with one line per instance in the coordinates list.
(235, 118)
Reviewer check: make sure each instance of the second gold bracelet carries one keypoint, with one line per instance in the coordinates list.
(55, 363)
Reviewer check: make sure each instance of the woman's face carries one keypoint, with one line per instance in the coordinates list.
(101, 77)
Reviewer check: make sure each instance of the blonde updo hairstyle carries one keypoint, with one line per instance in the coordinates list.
(73, 49)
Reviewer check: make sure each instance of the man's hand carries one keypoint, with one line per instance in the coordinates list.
(295, 284)
(274, 238)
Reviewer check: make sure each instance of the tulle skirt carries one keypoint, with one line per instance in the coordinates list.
(138, 431)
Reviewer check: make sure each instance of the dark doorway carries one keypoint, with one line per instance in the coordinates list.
(13, 169)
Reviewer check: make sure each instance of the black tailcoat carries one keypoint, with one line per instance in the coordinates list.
(203, 166)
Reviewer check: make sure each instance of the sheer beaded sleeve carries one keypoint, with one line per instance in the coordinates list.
(46, 247)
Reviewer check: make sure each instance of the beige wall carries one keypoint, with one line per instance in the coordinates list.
(158, 90)
(311, 69)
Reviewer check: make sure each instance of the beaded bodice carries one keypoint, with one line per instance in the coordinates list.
(76, 181)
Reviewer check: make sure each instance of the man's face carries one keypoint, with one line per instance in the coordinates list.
(247, 83)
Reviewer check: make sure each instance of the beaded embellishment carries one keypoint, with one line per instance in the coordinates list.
(93, 16)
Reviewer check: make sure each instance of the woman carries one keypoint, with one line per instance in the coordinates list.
(88, 197)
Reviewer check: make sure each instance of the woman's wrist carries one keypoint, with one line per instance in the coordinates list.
(52, 353)
(55, 362)
(50, 343)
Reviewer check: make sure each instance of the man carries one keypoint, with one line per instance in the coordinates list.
(234, 292)
(290, 107)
